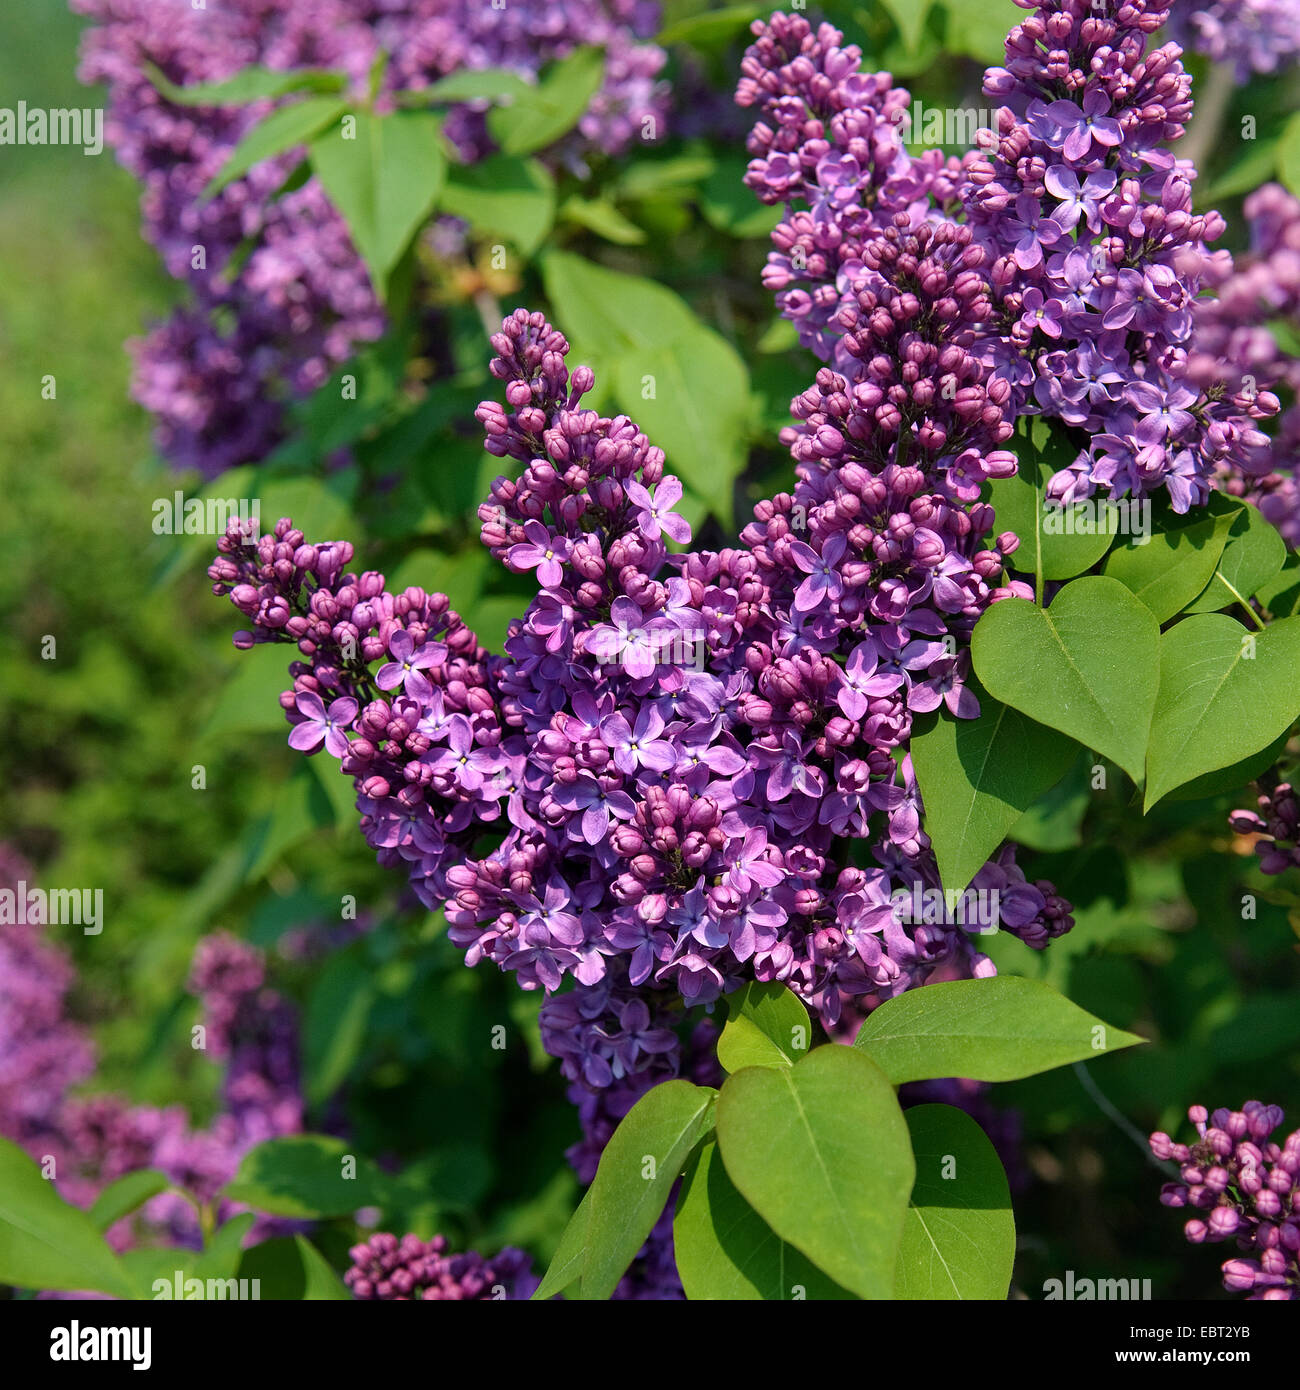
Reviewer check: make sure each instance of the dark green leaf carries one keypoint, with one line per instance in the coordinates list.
(305, 1176)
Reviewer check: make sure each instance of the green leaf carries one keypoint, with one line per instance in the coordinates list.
(1087, 665)
(1235, 777)
(302, 807)
(1173, 565)
(725, 1250)
(247, 85)
(250, 700)
(334, 1029)
(910, 17)
(599, 215)
(731, 207)
(960, 1238)
(321, 1282)
(610, 313)
(767, 1026)
(821, 1152)
(698, 413)
(487, 84)
(643, 1159)
(1055, 821)
(283, 129)
(978, 777)
(997, 1029)
(385, 182)
(504, 195)
(1288, 157)
(221, 1256)
(711, 28)
(1281, 594)
(44, 1242)
(980, 27)
(540, 115)
(566, 1264)
(124, 1196)
(1254, 554)
(1055, 542)
(302, 1176)
(1225, 693)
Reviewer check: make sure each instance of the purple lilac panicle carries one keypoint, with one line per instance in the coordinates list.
(387, 1268)
(1255, 36)
(217, 374)
(1245, 1185)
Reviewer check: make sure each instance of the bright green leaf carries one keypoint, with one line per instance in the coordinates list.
(247, 85)
(643, 1159)
(960, 1238)
(283, 129)
(539, 116)
(998, 1029)
(1174, 563)
(978, 777)
(384, 182)
(725, 1250)
(1225, 693)
(821, 1152)
(1087, 665)
(129, 1192)
(566, 1265)
(504, 195)
(44, 1242)
(767, 1026)
(599, 215)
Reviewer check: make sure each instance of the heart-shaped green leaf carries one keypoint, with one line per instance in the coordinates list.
(960, 1238)
(725, 1250)
(978, 777)
(1253, 555)
(1086, 666)
(767, 1026)
(820, 1150)
(1173, 565)
(1225, 693)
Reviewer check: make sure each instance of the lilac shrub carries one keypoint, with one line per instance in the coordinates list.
(257, 333)
(1246, 1187)
(94, 1139)
(1255, 36)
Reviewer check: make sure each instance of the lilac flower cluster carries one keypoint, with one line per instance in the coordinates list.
(1255, 36)
(1097, 254)
(1247, 1188)
(1070, 284)
(273, 326)
(95, 1139)
(1276, 827)
(43, 1053)
(1238, 340)
(385, 1267)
